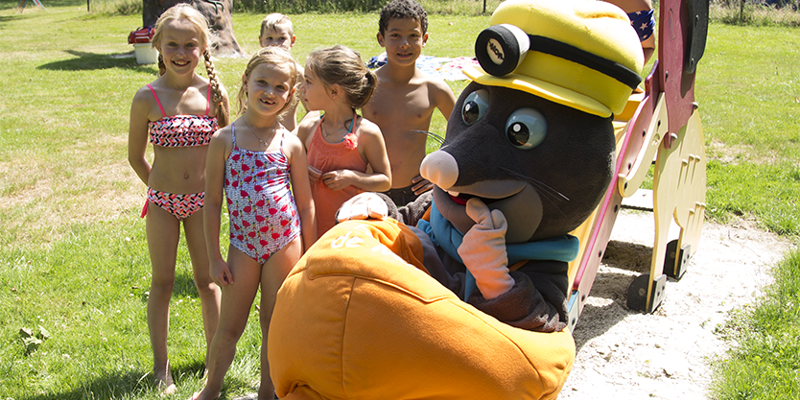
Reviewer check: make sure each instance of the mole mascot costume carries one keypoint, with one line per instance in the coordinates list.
(374, 309)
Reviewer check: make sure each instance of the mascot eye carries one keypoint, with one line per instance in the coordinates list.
(526, 128)
(475, 106)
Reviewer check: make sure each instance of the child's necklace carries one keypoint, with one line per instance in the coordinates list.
(348, 125)
(253, 132)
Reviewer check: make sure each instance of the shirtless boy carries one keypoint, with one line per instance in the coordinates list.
(406, 97)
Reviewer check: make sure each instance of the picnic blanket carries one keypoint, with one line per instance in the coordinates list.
(446, 68)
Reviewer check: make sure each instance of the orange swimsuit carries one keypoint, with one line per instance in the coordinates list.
(328, 157)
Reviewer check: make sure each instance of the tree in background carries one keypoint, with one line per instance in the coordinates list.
(217, 13)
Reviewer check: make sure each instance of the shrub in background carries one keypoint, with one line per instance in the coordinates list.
(756, 12)
(302, 6)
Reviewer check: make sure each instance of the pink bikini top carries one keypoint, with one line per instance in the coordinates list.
(182, 130)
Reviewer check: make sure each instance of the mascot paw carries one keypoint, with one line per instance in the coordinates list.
(363, 206)
(483, 249)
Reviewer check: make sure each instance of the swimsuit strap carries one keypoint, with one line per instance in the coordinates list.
(233, 134)
(163, 114)
(283, 136)
(352, 124)
(208, 98)
(319, 127)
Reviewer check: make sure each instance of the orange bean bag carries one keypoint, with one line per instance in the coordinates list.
(359, 317)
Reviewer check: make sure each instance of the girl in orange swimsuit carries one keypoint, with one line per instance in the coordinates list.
(179, 112)
(341, 145)
(261, 167)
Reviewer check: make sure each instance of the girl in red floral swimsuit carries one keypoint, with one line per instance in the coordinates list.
(262, 169)
(179, 112)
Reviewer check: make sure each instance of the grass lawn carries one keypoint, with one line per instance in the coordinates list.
(74, 267)
(763, 363)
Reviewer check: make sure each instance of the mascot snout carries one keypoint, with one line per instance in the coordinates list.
(440, 168)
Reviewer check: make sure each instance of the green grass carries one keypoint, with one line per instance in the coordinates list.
(73, 254)
(89, 292)
(764, 363)
(750, 101)
(771, 194)
(748, 87)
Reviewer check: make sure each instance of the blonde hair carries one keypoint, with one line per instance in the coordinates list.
(270, 55)
(339, 65)
(276, 19)
(185, 12)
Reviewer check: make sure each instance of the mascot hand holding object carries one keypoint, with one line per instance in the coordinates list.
(374, 309)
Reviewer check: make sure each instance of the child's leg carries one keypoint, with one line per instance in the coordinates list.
(163, 231)
(273, 273)
(237, 298)
(210, 293)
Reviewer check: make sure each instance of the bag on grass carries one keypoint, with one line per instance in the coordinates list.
(142, 35)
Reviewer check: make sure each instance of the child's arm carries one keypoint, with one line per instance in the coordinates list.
(443, 98)
(372, 149)
(305, 131)
(301, 187)
(212, 205)
(137, 135)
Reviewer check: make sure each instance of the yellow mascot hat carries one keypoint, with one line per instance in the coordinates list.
(582, 54)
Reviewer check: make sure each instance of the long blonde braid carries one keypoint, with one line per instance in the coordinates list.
(223, 114)
(162, 68)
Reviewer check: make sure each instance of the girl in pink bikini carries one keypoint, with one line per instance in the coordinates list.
(179, 112)
(262, 169)
(341, 145)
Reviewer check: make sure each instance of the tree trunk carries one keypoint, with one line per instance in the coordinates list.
(217, 13)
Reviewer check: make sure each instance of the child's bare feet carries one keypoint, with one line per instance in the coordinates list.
(163, 380)
(203, 395)
(166, 386)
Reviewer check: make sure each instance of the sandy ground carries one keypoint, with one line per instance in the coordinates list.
(624, 354)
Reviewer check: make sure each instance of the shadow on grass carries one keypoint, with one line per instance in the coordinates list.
(92, 61)
(184, 285)
(112, 386)
(7, 18)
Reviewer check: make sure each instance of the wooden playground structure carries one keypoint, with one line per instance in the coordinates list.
(661, 124)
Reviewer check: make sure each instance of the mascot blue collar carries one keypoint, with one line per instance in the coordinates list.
(446, 236)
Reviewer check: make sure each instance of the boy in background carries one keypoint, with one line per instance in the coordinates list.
(406, 97)
(277, 30)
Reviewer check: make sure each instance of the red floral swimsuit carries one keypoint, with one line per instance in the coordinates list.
(263, 214)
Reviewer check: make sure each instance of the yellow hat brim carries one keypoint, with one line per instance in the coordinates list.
(546, 90)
